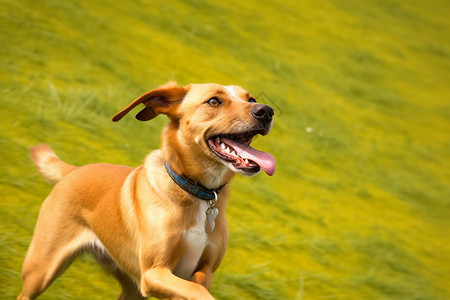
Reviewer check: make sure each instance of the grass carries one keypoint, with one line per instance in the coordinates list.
(358, 207)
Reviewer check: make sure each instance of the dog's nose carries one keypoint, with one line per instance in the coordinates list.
(263, 113)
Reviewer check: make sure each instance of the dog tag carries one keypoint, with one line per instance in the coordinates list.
(211, 215)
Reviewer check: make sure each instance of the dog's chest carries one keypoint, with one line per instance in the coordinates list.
(195, 240)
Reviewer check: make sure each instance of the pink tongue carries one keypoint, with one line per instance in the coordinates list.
(263, 159)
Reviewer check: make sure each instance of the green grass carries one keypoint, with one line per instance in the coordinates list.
(359, 205)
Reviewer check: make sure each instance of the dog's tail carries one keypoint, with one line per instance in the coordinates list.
(48, 164)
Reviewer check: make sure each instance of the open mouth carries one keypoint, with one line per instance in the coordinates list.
(235, 149)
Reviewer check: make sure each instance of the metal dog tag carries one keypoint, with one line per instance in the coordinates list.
(211, 215)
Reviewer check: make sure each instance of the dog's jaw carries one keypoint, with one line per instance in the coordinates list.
(236, 170)
(192, 157)
(216, 176)
(235, 152)
(230, 158)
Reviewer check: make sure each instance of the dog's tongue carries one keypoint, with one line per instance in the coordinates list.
(263, 159)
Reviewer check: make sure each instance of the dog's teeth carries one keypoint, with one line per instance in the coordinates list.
(217, 140)
(222, 146)
(246, 161)
(227, 150)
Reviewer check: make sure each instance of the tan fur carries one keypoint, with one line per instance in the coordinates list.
(139, 224)
(48, 164)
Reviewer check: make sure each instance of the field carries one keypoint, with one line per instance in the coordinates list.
(359, 205)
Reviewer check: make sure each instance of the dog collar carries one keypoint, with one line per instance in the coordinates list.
(192, 187)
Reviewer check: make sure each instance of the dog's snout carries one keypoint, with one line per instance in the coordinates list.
(263, 113)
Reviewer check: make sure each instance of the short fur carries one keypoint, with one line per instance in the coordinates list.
(143, 228)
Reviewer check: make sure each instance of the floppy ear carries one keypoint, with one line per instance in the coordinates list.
(162, 100)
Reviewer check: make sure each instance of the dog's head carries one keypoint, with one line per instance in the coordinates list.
(212, 123)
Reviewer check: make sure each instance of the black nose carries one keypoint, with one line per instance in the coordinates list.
(263, 113)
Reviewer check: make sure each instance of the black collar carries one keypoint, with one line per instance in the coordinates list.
(192, 187)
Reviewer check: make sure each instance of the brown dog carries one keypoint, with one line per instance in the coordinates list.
(160, 228)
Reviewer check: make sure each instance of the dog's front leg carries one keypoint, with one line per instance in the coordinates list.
(212, 254)
(162, 283)
(203, 276)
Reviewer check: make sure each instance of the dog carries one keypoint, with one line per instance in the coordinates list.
(160, 229)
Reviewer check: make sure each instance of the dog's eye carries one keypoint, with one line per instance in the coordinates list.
(214, 102)
(253, 100)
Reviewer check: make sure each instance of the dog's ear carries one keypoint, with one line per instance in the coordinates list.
(162, 100)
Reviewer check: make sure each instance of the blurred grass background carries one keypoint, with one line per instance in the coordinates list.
(359, 205)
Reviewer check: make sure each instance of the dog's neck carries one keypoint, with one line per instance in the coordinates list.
(194, 188)
(209, 175)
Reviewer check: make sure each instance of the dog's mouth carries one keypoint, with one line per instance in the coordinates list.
(235, 149)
